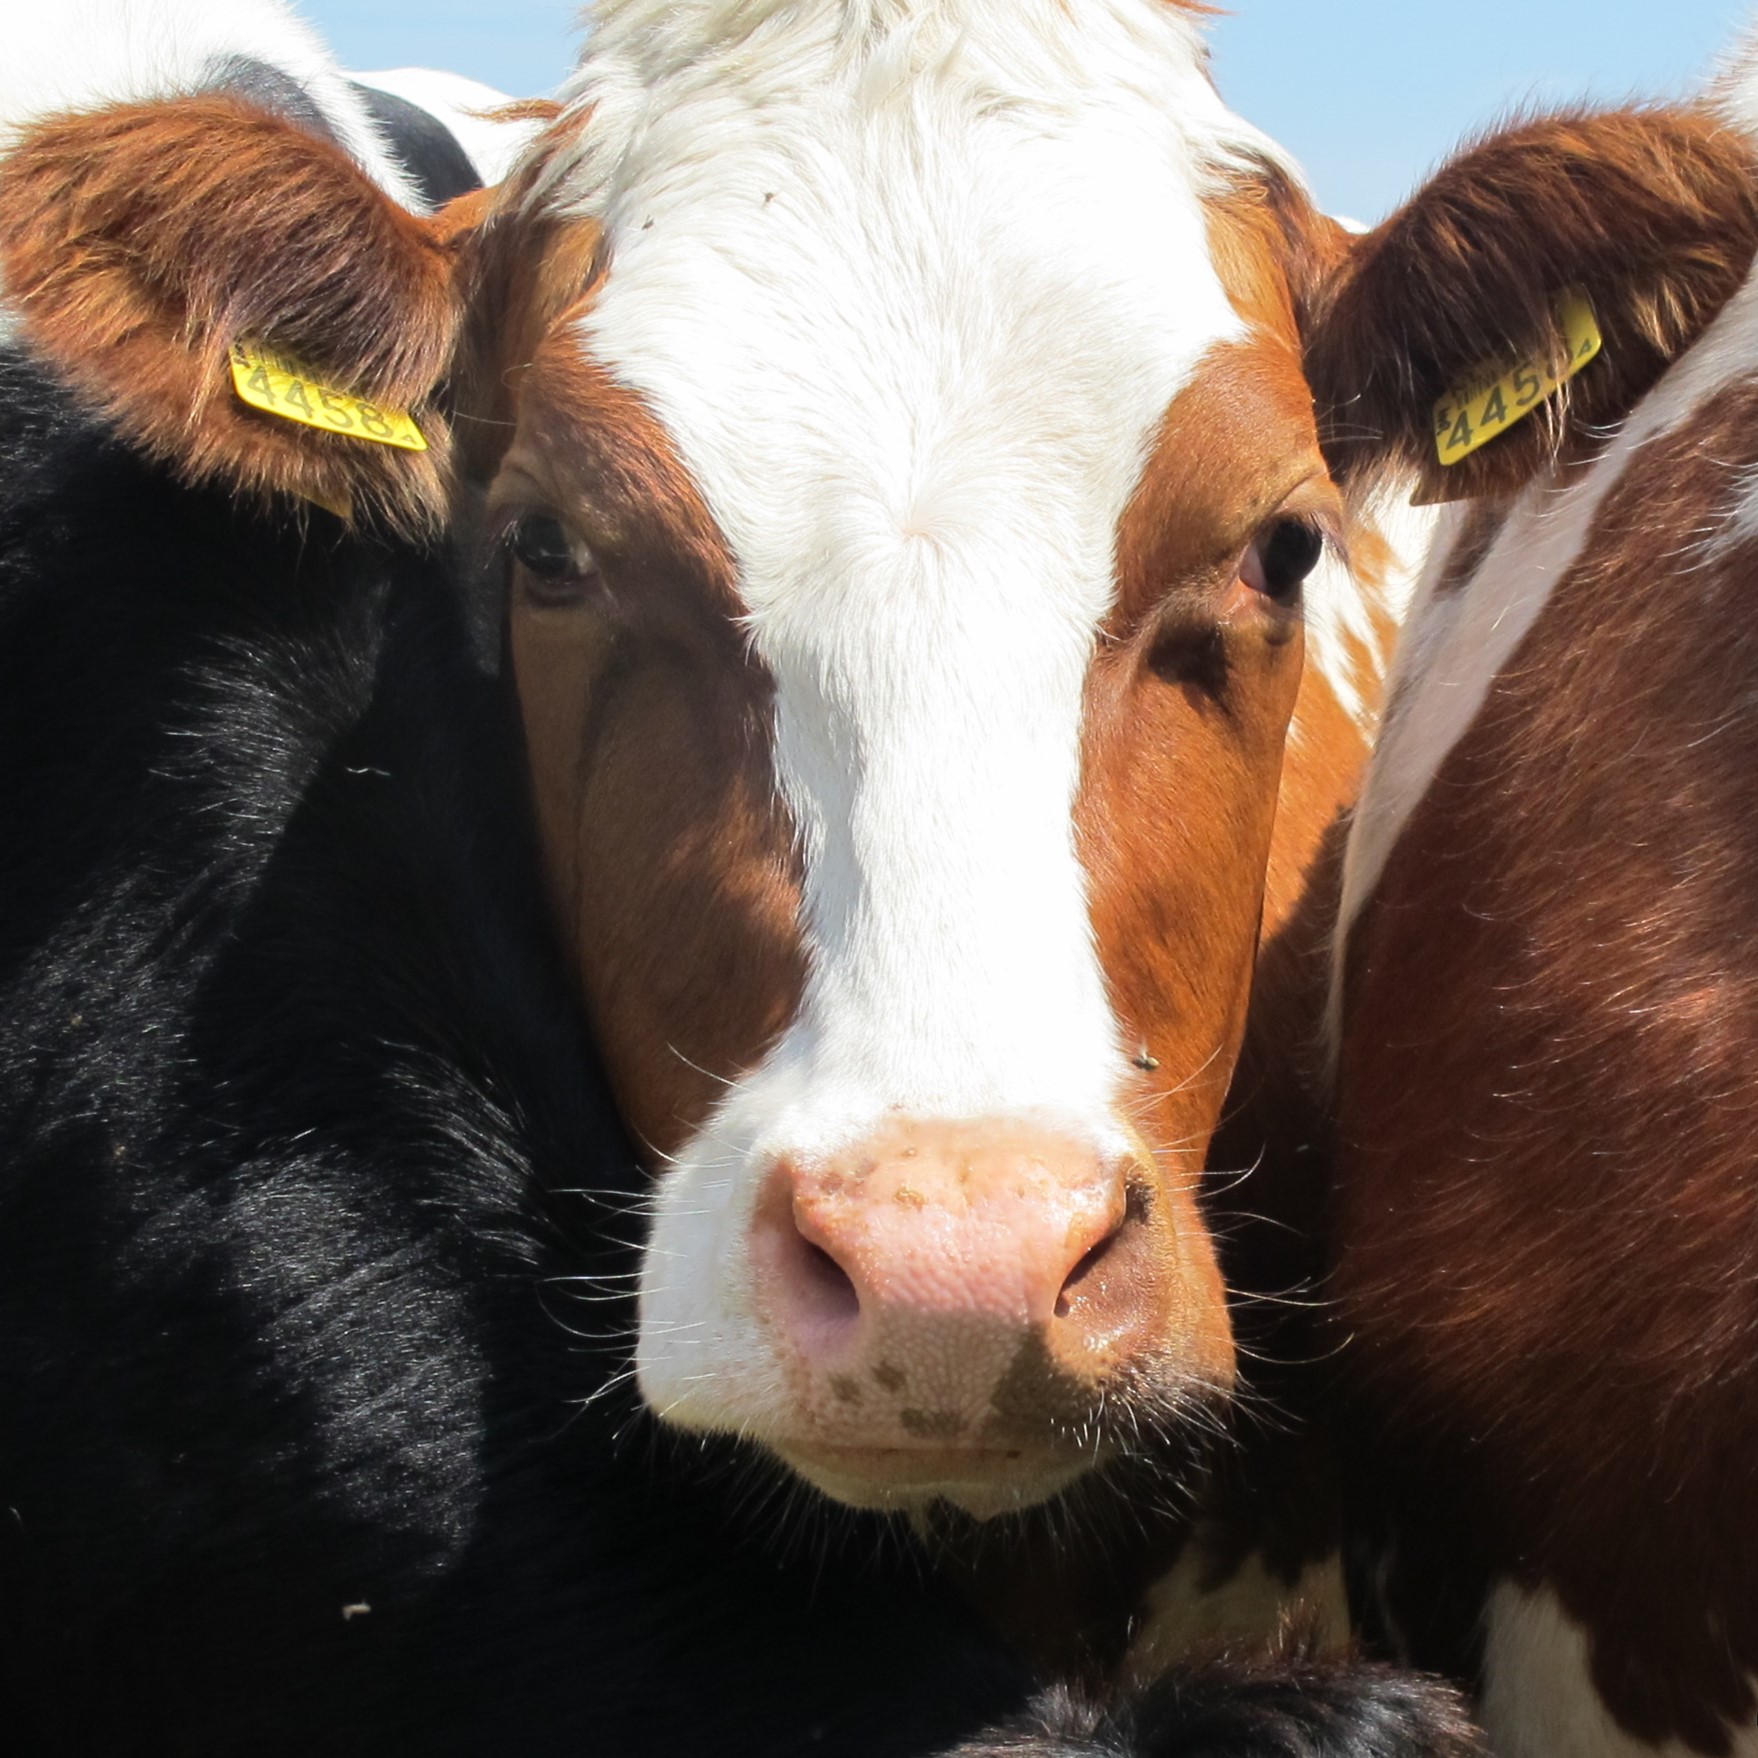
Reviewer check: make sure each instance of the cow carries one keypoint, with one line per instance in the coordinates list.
(353, 1399)
(1544, 1212)
(946, 782)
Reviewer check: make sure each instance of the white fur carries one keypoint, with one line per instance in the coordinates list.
(1539, 1699)
(84, 54)
(1457, 643)
(1735, 90)
(492, 146)
(912, 288)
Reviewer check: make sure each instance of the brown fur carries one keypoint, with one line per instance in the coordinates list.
(1188, 704)
(648, 727)
(1203, 832)
(1653, 214)
(544, 110)
(143, 242)
(1274, 252)
(1546, 1110)
(521, 270)
(140, 242)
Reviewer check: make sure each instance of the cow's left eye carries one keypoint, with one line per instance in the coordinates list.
(1281, 558)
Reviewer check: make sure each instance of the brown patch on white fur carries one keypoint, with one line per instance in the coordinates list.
(1274, 252)
(1189, 802)
(648, 728)
(1188, 704)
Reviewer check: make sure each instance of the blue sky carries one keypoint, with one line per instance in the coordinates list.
(1367, 93)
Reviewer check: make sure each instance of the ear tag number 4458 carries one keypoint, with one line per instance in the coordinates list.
(276, 383)
(1490, 402)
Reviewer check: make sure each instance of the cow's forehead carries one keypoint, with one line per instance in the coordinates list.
(907, 281)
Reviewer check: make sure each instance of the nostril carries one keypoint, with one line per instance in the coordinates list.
(1089, 1285)
(832, 1293)
(1082, 1270)
(799, 1258)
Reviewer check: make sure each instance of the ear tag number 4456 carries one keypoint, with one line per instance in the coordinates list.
(276, 383)
(1490, 402)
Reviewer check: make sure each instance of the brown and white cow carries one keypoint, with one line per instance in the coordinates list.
(928, 612)
(1547, 1220)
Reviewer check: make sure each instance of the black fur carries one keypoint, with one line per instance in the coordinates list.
(308, 1444)
(424, 145)
(1271, 1706)
(290, 1092)
(269, 88)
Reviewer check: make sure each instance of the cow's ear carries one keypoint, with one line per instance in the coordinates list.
(1649, 218)
(141, 246)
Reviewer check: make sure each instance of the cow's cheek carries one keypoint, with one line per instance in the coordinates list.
(668, 858)
(1176, 814)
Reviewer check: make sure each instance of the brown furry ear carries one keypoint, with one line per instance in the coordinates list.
(1651, 214)
(139, 243)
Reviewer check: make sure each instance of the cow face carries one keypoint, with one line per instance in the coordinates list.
(893, 433)
(906, 523)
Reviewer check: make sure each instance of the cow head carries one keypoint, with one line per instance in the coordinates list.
(892, 426)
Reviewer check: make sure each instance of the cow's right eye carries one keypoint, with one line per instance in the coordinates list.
(541, 544)
(554, 569)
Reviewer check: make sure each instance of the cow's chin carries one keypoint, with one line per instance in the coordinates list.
(897, 1480)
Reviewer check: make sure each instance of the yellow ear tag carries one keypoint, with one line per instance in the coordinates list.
(1485, 405)
(277, 384)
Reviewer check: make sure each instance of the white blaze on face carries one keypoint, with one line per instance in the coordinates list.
(912, 297)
